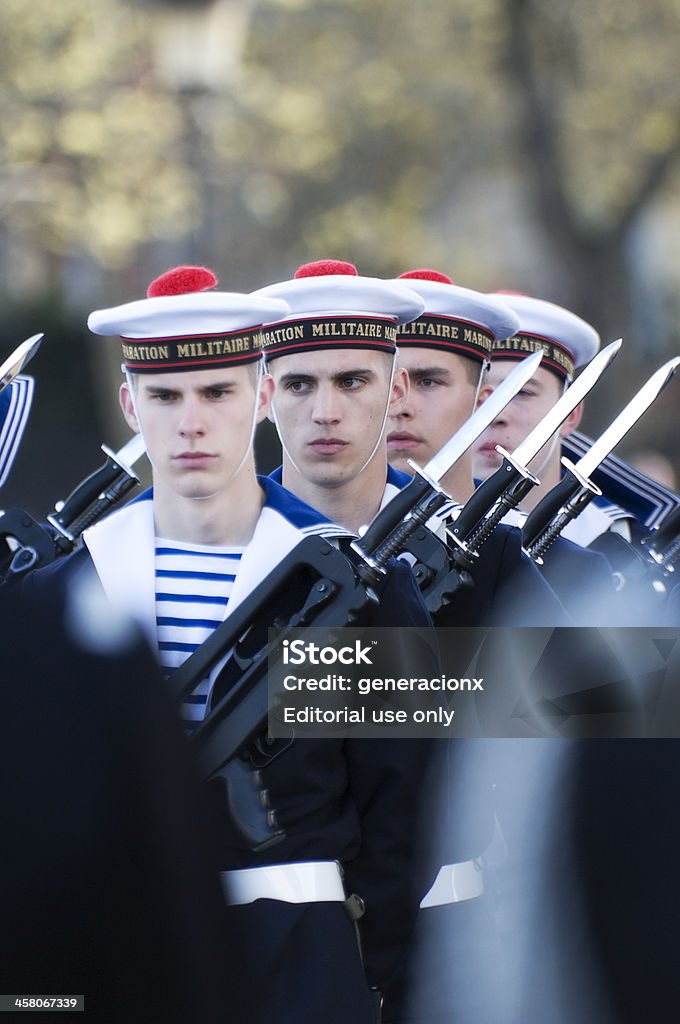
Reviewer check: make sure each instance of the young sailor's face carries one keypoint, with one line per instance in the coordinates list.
(518, 418)
(197, 425)
(329, 408)
(441, 397)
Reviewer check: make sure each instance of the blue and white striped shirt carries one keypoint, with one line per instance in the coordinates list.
(193, 587)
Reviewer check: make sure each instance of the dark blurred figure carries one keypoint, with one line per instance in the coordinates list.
(597, 940)
(106, 881)
(626, 838)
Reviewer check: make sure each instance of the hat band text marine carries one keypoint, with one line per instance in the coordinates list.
(447, 333)
(555, 357)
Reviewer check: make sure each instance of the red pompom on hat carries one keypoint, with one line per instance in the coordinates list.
(181, 280)
(321, 268)
(332, 306)
(185, 324)
(427, 275)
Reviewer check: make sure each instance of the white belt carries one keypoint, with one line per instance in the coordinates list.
(303, 882)
(455, 883)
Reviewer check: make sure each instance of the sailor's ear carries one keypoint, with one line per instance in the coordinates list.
(572, 421)
(128, 406)
(399, 392)
(264, 402)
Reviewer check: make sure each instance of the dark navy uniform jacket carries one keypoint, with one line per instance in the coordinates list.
(508, 589)
(584, 581)
(643, 595)
(353, 801)
(108, 887)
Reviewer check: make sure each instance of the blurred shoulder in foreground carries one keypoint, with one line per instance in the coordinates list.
(107, 885)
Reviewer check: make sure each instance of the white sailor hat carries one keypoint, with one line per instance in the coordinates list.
(183, 326)
(15, 404)
(455, 319)
(333, 307)
(566, 340)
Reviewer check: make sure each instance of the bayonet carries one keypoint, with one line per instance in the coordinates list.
(423, 496)
(20, 358)
(440, 464)
(100, 491)
(35, 545)
(576, 489)
(508, 486)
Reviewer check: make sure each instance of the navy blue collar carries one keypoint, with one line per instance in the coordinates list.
(276, 497)
(394, 477)
(397, 478)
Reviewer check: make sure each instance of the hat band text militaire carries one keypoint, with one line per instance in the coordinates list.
(555, 357)
(447, 333)
(150, 354)
(329, 332)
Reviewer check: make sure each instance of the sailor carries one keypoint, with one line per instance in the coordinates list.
(542, 828)
(446, 354)
(335, 389)
(181, 559)
(567, 342)
(333, 361)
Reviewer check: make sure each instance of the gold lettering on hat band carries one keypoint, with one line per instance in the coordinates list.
(329, 332)
(555, 357)
(445, 332)
(161, 354)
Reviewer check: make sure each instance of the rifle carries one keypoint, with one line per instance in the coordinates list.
(509, 485)
(577, 488)
(30, 544)
(443, 567)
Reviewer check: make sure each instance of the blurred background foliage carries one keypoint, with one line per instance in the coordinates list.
(524, 144)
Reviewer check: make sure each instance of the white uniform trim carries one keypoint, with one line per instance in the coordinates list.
(129, 581)
(303, 882)
(591, 524)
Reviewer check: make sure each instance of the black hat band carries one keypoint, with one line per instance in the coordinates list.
(201, 351)
(329, 332)
(448, 333)
(555, 357)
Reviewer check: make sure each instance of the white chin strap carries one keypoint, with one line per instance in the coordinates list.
(537, 468)
(378, 439)
(545, 455)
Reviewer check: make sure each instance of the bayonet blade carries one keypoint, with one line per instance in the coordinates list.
(420, 499)
(21, 356)
(440, 464)
(130, 453)
(584, 383)
(627, 418)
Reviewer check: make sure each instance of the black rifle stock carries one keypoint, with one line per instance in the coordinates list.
(38, 544)
(323, 587)
(326, 589)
